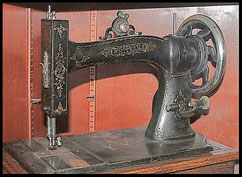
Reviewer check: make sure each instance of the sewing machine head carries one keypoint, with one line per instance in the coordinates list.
(179, 59)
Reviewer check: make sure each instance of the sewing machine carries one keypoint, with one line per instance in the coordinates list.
(179, 59)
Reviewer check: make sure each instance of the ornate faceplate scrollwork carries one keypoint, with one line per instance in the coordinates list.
(60, 70)
(59, 109)
(60, 29)
(130, 49)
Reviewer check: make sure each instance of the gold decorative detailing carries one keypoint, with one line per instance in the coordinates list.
(110, 143)
(79, 52)
(117, 40)
(59, 109)
(160, 133)
(59, 70)
(125, 39)
(130, 49)
(61, 29)
(180, 100)
(84, 58)
(126, 143)
(73, 57)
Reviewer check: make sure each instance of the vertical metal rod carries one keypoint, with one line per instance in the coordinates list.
(50, 15)
(49, 8)
(53, 127)
(48, 126)
(51, 131)
(174, 23)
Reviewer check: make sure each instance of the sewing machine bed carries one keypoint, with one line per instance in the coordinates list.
(92, 152)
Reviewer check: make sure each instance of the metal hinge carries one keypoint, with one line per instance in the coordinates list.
(35, 101)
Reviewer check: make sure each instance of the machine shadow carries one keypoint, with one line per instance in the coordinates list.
(81, 76)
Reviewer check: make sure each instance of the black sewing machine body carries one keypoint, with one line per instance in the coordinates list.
(179, 59)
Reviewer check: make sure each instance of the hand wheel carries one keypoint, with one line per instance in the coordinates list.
(216, 54)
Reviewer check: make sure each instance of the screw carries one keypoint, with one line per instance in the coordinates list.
(45, 108)
(172, 107)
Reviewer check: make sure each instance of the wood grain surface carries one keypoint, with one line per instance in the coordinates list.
(10, 165)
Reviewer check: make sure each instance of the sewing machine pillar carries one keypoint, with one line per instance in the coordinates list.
(164, 124)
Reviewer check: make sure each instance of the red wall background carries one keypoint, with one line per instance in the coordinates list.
(124, 92)
(16, 105)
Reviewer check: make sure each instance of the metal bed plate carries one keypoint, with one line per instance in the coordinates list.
(92, 152)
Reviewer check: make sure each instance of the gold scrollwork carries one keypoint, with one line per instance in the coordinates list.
(59, 109)
(59, 70)
(84, 57)
(180, 100)
(60, 29)
(130, 49)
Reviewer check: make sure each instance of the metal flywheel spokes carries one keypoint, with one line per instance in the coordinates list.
(208, 30)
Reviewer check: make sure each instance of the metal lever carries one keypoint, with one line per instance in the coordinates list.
(172, 107)
(197, 107)
(200, 107)
(203, 103)
(45, 71)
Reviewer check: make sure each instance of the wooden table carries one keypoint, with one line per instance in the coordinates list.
(219, 161)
